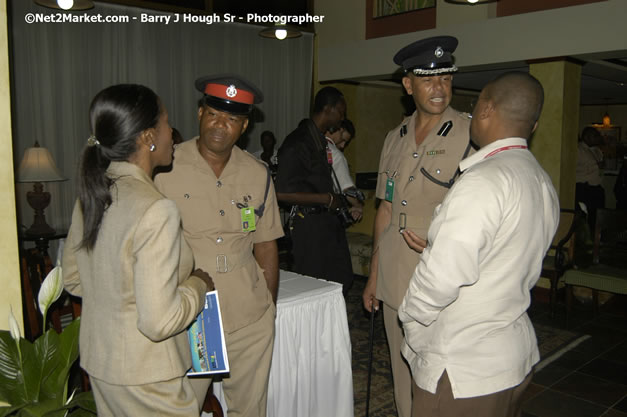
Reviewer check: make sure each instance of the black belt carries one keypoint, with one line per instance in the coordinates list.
(309, 210)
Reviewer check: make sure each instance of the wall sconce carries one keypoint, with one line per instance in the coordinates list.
(607, 122)
(280, 32)
(66, 4)
(37, 166)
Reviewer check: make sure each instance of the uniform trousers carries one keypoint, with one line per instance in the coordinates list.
(320, 249)
(401, 373)
(175, 397)
(506, 403)
(250, 356)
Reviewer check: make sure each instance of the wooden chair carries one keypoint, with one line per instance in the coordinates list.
(561, 253)
(35, 266)
(608, 271)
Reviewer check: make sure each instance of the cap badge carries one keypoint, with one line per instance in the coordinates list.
(231, 91)
(439, 52)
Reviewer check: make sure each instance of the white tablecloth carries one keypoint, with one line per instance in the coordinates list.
(311, 371)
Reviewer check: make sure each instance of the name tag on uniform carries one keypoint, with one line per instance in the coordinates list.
(389, 189)
(248, 219)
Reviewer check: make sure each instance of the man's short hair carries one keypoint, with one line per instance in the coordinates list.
(349, 127)
(328, 96)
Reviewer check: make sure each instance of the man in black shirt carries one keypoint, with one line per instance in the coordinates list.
(304, 180)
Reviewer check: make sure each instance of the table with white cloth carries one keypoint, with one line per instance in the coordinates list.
(311, 371)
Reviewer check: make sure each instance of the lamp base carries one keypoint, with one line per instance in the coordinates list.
(39, 199)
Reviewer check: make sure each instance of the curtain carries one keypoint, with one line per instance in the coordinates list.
(57, 68)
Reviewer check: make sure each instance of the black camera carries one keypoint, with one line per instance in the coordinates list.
(343, 211)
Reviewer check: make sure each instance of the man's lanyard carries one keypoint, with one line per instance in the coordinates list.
(505, 148)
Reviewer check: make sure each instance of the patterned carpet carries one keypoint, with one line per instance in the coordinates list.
(550, 340)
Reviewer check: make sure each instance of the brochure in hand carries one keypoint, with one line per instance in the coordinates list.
(206, 340)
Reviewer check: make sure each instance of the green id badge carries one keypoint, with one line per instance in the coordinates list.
(389, 190)
(248, 219)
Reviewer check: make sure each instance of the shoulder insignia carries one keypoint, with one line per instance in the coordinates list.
(446, 127)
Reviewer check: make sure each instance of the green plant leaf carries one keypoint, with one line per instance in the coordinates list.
(9, 359)
(83, 404)
(46, 408)
(8, 410)
(35, 383)
(65, 356)
(18, 379)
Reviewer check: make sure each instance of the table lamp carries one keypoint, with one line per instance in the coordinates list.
(37, 166)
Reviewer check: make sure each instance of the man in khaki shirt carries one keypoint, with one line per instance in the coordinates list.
(418, 165)
(231, 221)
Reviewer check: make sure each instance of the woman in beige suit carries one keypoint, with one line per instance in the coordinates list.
(126, 257)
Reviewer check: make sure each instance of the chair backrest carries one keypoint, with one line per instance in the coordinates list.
(563, 245)
(35, 266)
(610, 238)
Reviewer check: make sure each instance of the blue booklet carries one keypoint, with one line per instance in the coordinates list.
(206, 340)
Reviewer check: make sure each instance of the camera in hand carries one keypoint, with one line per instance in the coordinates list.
(355, 193)
(343, 212)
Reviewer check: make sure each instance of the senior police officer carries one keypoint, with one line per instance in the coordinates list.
(417, 167)
(231, 220)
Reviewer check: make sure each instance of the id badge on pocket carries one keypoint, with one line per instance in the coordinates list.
(248, 219)
(389, 189)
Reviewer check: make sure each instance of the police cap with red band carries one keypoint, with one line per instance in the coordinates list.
(229, 92)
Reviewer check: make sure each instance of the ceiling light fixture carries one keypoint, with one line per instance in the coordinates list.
(280, 32)
(66, 4)
(470, 2)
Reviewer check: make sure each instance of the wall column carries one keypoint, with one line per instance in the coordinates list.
(11, 294)
(554, 143)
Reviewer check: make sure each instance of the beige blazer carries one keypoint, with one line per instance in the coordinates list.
(138, 296)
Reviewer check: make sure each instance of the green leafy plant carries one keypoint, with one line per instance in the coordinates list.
(34, 376)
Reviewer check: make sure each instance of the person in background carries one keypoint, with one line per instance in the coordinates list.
(176, 136)
(342, 180)
(348, 134)
(126, 257)
(468, 339)
(418, 165)
(268, 152)
(231, 220)
(588, 189)
(304, 181)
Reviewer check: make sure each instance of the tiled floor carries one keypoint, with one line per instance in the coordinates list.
(591, 379)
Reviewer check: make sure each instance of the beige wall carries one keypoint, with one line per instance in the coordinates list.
(592, 28)
(9, 267)
(554, 143)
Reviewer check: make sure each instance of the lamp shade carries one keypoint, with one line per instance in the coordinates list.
(38, 166)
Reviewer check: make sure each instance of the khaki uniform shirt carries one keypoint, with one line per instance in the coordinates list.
(212, 225)
(415, 170)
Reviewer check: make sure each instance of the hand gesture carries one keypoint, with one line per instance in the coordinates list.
(413, 241)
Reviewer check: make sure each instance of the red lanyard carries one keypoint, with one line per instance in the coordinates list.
(329, 152)
(505, 148)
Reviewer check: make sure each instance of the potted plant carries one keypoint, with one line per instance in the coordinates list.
(34, 376)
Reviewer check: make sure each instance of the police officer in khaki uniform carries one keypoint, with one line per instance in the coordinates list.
(418, 165)
(231, 221)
